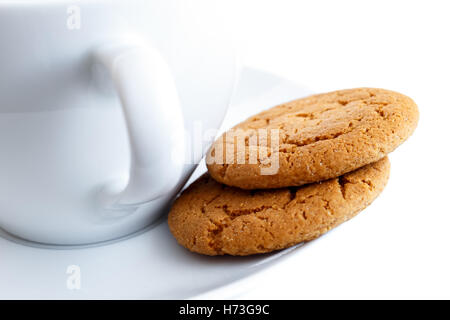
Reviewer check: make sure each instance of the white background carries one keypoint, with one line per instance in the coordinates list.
(398, 247)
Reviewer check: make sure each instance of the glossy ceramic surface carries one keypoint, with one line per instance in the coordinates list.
(151, 264)
(98, 100)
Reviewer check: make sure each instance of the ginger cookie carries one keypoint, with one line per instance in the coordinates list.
(313, 139)
(213, 219)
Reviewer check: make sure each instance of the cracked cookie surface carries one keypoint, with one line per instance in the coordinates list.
(320, 137)
(213, 219)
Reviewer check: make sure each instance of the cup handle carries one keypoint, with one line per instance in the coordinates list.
(153, 116)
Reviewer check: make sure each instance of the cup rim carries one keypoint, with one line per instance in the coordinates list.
(4, 4)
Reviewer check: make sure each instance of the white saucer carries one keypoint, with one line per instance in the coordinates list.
(150, 265)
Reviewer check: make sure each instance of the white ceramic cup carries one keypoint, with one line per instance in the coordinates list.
(101, 106)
